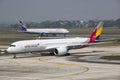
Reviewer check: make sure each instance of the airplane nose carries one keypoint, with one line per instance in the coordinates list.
(67, 31)
(9, 50)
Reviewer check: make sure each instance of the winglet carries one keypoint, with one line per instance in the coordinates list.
(95, 35)
(23, 26)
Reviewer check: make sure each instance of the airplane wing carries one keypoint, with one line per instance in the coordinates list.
(111, 39)
(70, 46)
(66, 45)
(55, 46)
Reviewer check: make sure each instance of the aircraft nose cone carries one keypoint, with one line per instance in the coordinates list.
(9, 50)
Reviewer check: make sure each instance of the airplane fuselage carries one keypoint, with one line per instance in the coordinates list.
(48, 31)
(41, 45)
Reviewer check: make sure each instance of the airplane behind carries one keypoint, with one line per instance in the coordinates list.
(42, 31)
(56, 46)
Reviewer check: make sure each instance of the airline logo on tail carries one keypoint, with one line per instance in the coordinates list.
(95, 35)
(23, 26)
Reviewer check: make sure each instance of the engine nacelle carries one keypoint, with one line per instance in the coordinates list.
(42, 34)
(60, 51)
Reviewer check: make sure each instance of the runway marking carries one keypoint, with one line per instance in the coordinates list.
(14, 62)
(44, 58)
(73, 74)
(32, 62)
(55, 63)
(64, 64)
(86, 69)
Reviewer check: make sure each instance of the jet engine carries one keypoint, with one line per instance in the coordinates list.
(60, 51)
(42, 34)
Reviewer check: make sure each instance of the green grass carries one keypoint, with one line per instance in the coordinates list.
(7, 36)
(87, 31)
(108, 43)
(111, 57)
(6, 41)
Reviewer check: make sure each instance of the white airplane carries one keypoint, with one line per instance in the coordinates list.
(43, 31)
(56, 46)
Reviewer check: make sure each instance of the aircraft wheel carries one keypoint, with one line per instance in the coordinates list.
(14, 56)
(52, 53)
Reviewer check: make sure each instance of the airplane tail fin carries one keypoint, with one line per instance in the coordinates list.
(23, 26)
(95, 35)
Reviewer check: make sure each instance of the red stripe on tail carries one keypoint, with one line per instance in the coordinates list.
(93, 36)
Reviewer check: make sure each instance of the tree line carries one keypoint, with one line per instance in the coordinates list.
(66, 24)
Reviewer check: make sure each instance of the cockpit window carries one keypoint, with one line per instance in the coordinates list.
(12, 45)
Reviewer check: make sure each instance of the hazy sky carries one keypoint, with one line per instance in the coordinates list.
(41, 10)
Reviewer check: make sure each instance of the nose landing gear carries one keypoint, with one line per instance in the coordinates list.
(14, 56)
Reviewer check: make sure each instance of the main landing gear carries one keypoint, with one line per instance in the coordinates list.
(14, 56)
(51, 53)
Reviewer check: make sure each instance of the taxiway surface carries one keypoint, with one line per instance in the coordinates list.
(82, 64)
